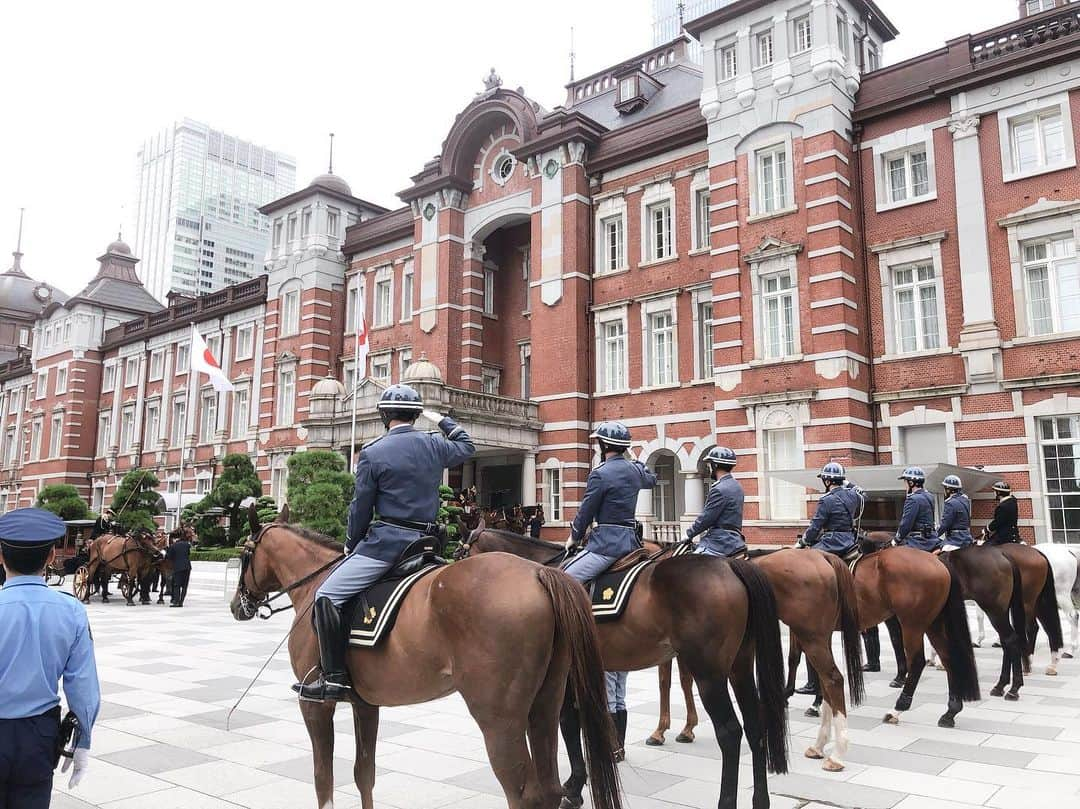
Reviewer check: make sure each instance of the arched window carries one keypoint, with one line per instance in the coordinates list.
(665, 494)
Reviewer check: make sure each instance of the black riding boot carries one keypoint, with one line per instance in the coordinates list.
(334, 682)
(620, 730)
(872, 643)
(812, 682)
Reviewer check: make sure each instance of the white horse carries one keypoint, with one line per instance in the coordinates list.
(1065, 564)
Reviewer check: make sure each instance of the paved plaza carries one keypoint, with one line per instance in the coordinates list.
(169, 676)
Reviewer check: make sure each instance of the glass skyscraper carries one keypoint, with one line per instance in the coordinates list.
(666, 24)
(197, 225)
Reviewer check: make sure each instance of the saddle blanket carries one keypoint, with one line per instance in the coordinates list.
(371, 615)
(611, 591)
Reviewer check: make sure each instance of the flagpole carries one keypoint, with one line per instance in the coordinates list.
(356, 373)
(184, 434)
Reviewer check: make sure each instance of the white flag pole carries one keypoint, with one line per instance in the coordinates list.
(183, 435)
(358, 326)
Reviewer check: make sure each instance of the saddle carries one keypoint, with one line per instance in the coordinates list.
(611, 590)
(371, 615)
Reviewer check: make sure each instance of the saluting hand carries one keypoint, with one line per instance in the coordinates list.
(432, 416)
(77, 764)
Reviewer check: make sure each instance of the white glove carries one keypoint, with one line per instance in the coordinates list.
(432, 416)
(81, 760)
(569, 544)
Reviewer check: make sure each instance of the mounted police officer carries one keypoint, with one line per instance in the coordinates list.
(1003, 528)
(44, 636)
(721, 519)
(917, 520)
(833, 528)
(397, 478)
(955, 527)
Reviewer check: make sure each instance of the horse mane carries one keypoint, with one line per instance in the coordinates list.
(521, 538)
(314, 536)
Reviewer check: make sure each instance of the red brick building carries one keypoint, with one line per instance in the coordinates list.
(786, 249)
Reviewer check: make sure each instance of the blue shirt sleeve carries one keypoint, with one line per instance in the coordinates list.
(710, 514)
(363, 503)
(907, 519)
(648, 479)
(458, 446)
(817, 524)
(81, 682)
(590, 504)
(948, 517)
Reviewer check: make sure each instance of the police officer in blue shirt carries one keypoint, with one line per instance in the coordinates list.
(611, 492)
(917, 520)
(955, 525)
(44, 636)
(838, 512)
(721, 519)
(397, 477)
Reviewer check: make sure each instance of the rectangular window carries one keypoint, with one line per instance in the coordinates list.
(489, 291)
(349, 376)
(213, 345)
(108, 377)
(661, 342)
(526, 277)
(781, 452)
(332, 224)
(728, 62)
(1035, 6)
(277, 232)
(290, 312)
(380, 369)
(553, 493)
(178, 427)
(628, 88)
(1052, 275)
(803, 39)
(24, 336)
(489, 381)
(908, 175)
(525, 360)
(157, 365)
(406, 292)
(614, 358)
(1059, 439)
(152, 425)
(305, 223)
(772, 179)
(42, 387)
(764, 49)
(241, 411)
(842, 36)
(701, 219)
(279, 481)
(915, 288)
(383, 293)
(131, 372)
(8, 452)
(658, 217)
(36, 428)
(104, 430)
(183, 357)
(61, 379)
(67, 331)
(127, 428)
(208, 418)
(203, 485)
(873, 61)
(704, 340)
(404, 361)
(286, 398)
(778, 313)
(1038, 140)
(614, 245)
(292, 228)
(13, 399)
(352, 304)
(245, 341)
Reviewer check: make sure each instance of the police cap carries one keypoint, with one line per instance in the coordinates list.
(31, 528)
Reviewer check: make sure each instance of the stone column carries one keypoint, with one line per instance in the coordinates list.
(693, 495)
(468, 474)
(979, 337)
(528, 479)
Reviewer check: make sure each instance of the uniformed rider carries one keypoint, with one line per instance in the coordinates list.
(955, 527)
(1003, 528)
(839, 510)
(721, 519)
(611, 493)
(397, 478)
(44, 637)
(917, 520)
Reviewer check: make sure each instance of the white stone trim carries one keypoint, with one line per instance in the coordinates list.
(1005, 118)
(895, 144)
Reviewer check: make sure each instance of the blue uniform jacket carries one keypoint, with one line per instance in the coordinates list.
(611, 493)
(45, 636)
(398, 477)
(721, 519)
(833, 527)
(917, 522)
(956, 520)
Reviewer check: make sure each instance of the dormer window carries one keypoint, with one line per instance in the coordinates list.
(628, 88)
(632, 91)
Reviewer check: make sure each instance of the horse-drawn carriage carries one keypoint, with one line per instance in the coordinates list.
(70, 551)
(133, 558)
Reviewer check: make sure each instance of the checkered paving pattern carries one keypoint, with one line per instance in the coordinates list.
(170, 675)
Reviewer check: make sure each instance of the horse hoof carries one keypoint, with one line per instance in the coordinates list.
(685, 738)
(1067, 655)
(1051, 671)
(832, 765)
(654, 740)
(891, 719)
(997, 691)
(946, 722)
(813, 752)
(1012, 696)
(898, 682)
(812, 712)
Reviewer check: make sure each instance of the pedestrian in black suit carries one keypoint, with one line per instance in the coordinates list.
(179, 553)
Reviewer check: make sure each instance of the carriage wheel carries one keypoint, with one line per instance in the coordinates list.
(81, 585)
(128, 586)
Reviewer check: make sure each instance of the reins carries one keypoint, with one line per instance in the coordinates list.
(261, 607)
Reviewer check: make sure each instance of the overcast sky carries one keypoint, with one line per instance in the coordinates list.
(83, 84)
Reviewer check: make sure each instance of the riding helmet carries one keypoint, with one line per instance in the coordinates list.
(913, 474)
(612, 433)
(1002, 487)
(952, 482)
(832, 472)
(399, 403)
(720, 456)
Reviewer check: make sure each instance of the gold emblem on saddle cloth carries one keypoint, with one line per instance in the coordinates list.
(370, 616)
(608, 594)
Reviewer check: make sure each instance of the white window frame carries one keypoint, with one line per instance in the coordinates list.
(903, 143)
(489, 291)
(1041, 107)
(728, 57)
(9, 443)
(760, 271)
(1052, 263)
(1039, 6)
(525, 369)
(649, 309)
(802, 34)
(764, 54)
(352, 303)
(526, 277)
(926, 250)
(131, 379)
(607, 379)
(757, 197)
(1042, 443)
(208, 415)
(127, 428)
(553, 486)
(151, 426)
(104, 436)
(490, 380)
(285, 405)
(41, 388)
(240, 416)
(699, 213)
(108, 376)
(408, 282)
(704, 368)
(241, 352)
(289, 323)
(183, 358)
(279, 478)
(655, 196)
(787, 322)
(404, 360)
(157, 365)
(776, 488)
(178, 421)
(37, 429)
(382, 314)
(607, 210)
(61, 379)
(24, 336)
(381, 360)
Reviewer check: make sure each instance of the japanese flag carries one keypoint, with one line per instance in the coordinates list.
(361, 344)
(203, 362)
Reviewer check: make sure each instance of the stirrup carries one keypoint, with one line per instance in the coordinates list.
(323, 690)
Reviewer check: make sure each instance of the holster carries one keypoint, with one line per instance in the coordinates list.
(67, 739)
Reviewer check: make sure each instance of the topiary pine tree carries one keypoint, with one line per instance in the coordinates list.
(237, 482)
(63, 500)
(320, 491)
(267, 509)
(136, 501)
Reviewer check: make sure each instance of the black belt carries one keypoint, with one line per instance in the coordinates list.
(411, 525)
(728, 527)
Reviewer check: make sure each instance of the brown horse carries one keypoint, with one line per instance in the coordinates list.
(923, 594)
(132, 556)
(719, 617)
(815, 596)
(508, 652)
(1040, 600)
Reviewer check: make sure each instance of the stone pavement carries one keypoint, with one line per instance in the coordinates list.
(169, 676)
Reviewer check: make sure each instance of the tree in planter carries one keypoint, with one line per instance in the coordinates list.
(319, 492)
(136, 501)
(63, 500)
(449, 517)
(236, 483)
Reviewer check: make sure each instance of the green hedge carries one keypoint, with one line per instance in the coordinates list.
(216, 555)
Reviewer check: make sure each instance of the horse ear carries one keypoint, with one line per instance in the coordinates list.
(253, 519)
(283, 515)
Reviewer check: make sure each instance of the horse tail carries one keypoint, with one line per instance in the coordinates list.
(574, 621)
(1016, 606)
(848, 602)
(954, 620)
(1046, 610)
(763, 627)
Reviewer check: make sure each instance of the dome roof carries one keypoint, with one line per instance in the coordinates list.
(422, 370)
(18, 292)
(328, 386)
(120, 247)
(333, 182)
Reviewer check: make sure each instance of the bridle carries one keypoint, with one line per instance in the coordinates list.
(255, 603)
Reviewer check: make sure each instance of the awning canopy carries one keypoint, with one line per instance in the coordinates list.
(167, 501)
(885, 479)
